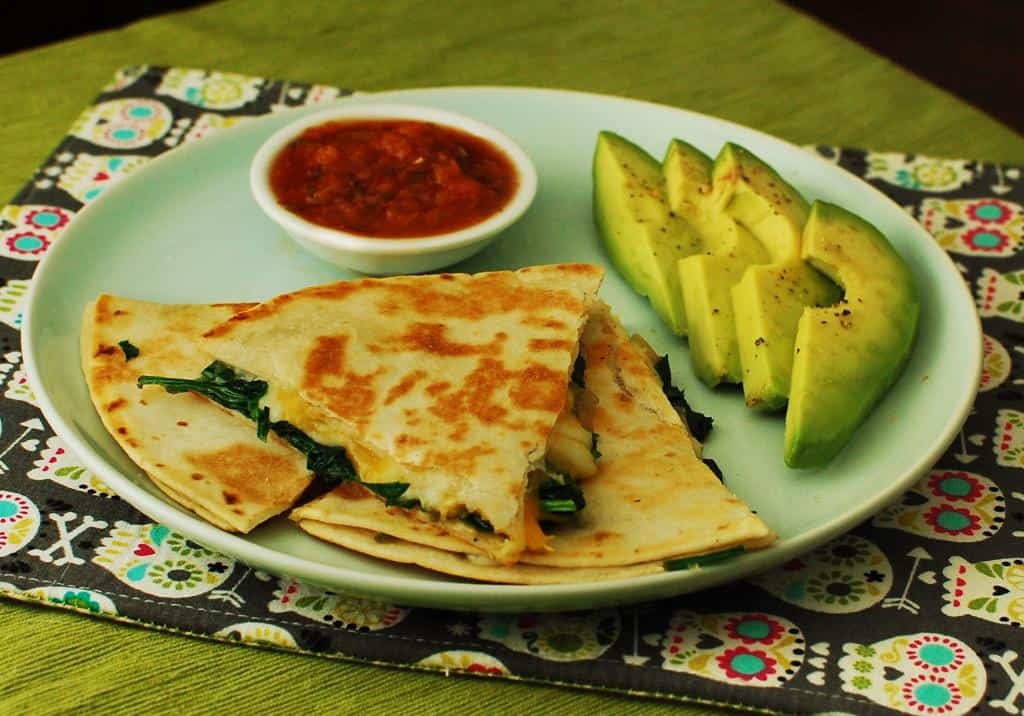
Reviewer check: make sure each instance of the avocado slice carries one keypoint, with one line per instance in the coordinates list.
(849, 354)
(642, 237)
(707, 279)
(769, 299)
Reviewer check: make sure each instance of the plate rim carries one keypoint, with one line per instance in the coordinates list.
(415, 591)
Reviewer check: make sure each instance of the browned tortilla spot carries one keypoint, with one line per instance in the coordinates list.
(542, 322)
(115, 404)
(404, 386)
(537, 387)
(438, 388)
(325, 368)
(245, 471)
(548, 344)
(430, 338)
(461, 462)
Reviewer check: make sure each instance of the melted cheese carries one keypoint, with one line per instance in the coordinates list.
(371, 466)
(568, 450)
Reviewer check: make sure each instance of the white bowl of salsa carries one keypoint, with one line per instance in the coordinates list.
(390, 188)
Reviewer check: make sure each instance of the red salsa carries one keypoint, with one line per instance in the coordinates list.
(392, 178)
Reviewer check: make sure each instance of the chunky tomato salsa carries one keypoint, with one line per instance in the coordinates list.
(392, 178)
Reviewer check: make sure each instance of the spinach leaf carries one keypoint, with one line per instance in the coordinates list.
(130, 351)
(702, 560)
(713, 466)
(221, 384)
(594, 452)
(330, 464)
(560, 494)
(698, 423)
(477, 522)
(578, 370)
(392, 493)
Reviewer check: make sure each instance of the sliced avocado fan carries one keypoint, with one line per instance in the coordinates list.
(769, 299)
(643, 238)
(849, 354)
(706, 279)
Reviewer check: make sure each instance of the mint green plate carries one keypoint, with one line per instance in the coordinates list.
(185, 229)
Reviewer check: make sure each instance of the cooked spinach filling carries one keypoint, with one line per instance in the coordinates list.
(130, 351)
(702, 560)
(579, 368)
(698, 423)
(477, 522)
(223, 385)
(560, 494)
(330, 465)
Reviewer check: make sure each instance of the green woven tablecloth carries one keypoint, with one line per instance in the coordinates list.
(753, 62)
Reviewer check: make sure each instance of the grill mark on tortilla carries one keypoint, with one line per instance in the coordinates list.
(386, 308)
(115, 404)
(197, 476)
(409, 440)
(539, 321)
(244, 471)
(538, 387)
(461, 462)
(430, 338)
(404, 386)
(354, 398)
(107, 350)
(550, 344)
(230, 498)
(435, 389)
(475, 396)
(102, 310)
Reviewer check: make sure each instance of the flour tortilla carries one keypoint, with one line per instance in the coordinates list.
(450, 383)
(468, 566)
(203, 456)
(653, 498)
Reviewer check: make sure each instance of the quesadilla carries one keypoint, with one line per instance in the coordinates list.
(203, 456)
(446, 392)
(501, 427)
(651, 500)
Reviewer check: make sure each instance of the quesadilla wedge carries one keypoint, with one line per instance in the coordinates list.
(203, 456)
(445, 391)
(652, 499)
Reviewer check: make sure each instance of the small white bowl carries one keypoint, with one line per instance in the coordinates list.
(382, 256)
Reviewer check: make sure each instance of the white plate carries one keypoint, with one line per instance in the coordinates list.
(185, 229)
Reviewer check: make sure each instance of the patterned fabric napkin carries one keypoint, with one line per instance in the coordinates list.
(918, 610)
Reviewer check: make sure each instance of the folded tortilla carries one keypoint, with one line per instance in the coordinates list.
(204, 457)
(450, 384)
(469, 566)
(652, 499)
